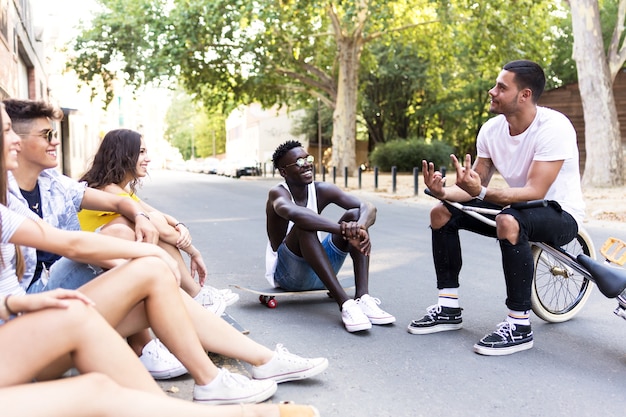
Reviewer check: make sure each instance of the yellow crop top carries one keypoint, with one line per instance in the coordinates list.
(91, 220)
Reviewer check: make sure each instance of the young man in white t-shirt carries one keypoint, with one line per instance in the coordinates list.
(535, 150)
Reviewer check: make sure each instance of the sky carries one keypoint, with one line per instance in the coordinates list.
(60, 18)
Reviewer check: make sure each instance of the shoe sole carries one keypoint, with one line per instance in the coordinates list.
(256, 398)
(168, 374)
(487, 351)
(294, 376)
(434, 329)
(358, 327)
(382, 320)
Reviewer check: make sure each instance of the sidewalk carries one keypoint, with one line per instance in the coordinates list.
(603, 205)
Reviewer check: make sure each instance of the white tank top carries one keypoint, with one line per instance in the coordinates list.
(271, 257)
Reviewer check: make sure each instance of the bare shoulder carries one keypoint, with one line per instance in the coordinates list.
(323, 188)
(328, 193)
(277, 191)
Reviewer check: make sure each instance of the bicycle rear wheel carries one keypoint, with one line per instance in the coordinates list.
(559, 292)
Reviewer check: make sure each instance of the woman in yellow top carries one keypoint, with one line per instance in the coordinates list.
(119, 164)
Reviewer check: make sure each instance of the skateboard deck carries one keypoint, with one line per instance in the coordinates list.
(267, 295)
(231, 320)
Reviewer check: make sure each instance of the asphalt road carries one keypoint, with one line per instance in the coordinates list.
(577, 368)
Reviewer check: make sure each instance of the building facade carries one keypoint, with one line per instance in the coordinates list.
(22, 73)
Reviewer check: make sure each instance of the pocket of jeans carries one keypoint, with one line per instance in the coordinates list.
(555, 205)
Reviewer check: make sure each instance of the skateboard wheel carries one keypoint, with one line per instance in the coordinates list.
(272, 303)
(262, 299)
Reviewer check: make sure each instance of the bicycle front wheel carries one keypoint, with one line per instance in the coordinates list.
(559, 292)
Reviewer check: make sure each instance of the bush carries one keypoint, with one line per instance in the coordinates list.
(408, 153)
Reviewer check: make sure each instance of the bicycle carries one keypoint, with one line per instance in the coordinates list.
(564, 277)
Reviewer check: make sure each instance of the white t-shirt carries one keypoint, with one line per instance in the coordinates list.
(8, 278)
(550, 137)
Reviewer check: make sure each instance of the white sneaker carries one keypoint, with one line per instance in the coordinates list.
(353, 317)
(209, 300)
(369, 306)
(228, 388)
(285, 366)
(160, 362)
(227, 295)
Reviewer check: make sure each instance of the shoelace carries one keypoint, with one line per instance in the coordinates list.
(369, 299)
(505, 329)
(234, 380)
(433, 310)
(284, 354)
(159, 348)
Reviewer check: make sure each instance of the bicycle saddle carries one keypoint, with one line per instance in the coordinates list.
(610, 281)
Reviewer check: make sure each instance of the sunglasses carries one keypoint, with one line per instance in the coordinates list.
(47, 134)
(301, 161)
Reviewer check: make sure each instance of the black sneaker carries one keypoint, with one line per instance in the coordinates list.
(508, 338)
(437, 319)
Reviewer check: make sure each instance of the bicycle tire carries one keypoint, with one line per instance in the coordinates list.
(558, 293)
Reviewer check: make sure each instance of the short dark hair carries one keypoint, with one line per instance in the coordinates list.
(24, 111)
(283, 149)
(528, 74)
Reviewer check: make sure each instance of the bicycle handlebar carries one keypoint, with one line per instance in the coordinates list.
(517, 206)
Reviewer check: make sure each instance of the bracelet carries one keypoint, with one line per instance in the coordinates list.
(6, 306)
(482, 194)
(141, 213)
(181, 224)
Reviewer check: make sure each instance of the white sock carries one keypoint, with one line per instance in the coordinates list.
(519, 317)
(449, 297)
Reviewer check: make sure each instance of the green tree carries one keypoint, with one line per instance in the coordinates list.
(597, 68)
(194, 132)
(235, 51)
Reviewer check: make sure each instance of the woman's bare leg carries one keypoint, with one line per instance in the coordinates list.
(187, 283)
(151, 299)
(77, 335)
(96, 395)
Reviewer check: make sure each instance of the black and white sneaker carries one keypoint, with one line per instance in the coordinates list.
(437, 319)
(507, 339)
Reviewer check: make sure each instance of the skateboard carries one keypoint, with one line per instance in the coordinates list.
(231, 320)
(267, 295)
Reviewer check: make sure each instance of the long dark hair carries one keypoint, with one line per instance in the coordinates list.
(4, 185)
(3, 167)
(116, 157)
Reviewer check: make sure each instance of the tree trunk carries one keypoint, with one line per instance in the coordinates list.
(344, 115)
(604, 159)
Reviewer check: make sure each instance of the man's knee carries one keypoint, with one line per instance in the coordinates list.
(439, 216)
(507, 228)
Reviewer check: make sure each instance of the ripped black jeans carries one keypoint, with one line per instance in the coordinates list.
(548, 224)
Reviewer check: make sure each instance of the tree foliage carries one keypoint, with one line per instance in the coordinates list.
(412, 68)
(190, 126)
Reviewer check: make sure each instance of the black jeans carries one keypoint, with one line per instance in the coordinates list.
(544, 224)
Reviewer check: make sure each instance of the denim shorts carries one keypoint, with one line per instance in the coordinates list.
(293, 273)
(68, 274)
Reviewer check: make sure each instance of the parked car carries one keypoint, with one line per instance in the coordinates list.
(244, 168)
(210, 165)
